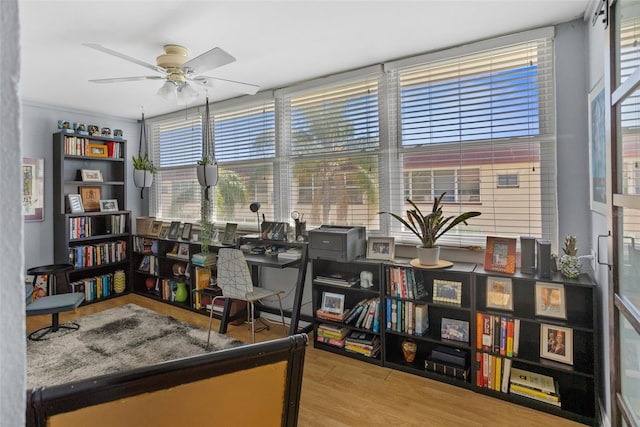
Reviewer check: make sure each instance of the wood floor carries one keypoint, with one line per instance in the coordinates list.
(339, 391)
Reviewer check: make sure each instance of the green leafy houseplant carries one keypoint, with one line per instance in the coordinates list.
(144, 163)
(430, 227)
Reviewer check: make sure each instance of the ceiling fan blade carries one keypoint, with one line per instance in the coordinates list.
(214, 58)
(106, 50)
(235, 86)
(126, 79)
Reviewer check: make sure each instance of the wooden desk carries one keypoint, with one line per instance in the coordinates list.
(256, 261)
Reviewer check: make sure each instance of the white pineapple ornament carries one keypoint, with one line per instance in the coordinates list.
(569, 263)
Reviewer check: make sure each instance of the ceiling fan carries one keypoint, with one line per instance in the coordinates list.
(179, 70)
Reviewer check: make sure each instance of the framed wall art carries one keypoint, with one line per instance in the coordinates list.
(33, 189)
(597, 149)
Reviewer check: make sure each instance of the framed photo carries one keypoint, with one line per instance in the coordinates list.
(186, 231)
(173, 230)
(110, 205)
(229, 233)
(164, 232)
(91, 175)
(455, 330)
(500, 255)
(33, 189)
(556, 343)
(96, 150)
(75, 203)
(195, 237)
(332, 303)
(91, 198)
(381, 248)
(550, 300)
(499, 293)
(447, 292)
(156, 228)
(597, 150)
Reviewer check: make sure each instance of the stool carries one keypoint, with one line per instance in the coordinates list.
(52, 271)
(54, 305)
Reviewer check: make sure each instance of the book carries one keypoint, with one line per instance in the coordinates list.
(362, 338)
(506, 373)
(516, 337)
(535, 397)
(421, 319)
(525, 391)
(453, 356)
(446, 369)
(533, 380)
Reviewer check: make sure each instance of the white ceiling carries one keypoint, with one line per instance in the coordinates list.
(275, 43)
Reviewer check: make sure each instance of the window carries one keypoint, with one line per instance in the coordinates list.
(476, 123)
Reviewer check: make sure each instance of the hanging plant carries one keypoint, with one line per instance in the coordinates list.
(143, 167)
(207, 173)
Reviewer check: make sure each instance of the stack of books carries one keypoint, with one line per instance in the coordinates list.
(332, 335)
(291, 254)
(203, 260)
(449, 361)
(363, 343)
(534, 386)
(339, 279)
(336, 317)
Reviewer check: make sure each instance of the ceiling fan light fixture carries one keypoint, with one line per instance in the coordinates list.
(168, 90)
(186, 93)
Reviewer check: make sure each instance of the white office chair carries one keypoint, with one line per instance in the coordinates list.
(234, 279)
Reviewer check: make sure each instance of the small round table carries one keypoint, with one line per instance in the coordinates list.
(54, 271)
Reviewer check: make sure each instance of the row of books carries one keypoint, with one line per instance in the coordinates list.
(407, 317)
(166, 289)
(332, 335)
(149, 264)
(365, 315)
(498, 334)
(78, 146)
(447, 369)
(99, 254)
(202, 281)
(145, 245)
(363, 343)
(401, 283)
(532, 385)
(85, 226)
(346, 280)
(94, 287)
(492, 372)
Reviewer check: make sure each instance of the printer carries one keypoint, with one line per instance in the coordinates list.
(337, 243)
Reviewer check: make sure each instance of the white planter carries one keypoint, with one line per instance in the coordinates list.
(142, 178)
(428, 256)
(207, 174)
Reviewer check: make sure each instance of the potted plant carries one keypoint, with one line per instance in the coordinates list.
(429, 228)
(143, 171)
(207, 170)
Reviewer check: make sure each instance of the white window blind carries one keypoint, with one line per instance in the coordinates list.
(467, 121)
(333, 153)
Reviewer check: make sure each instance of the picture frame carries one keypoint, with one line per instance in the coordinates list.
(110, 205)
(164, 232)
(91, 175)
(381, 248)
(499, 293)
(597, 149)
(155, 229)
(75, 203)
(32, 189)
(97, 150)
(556, 343)
(229, 233)
(454, 330)
(550, 300)
(186, 231)
(91, 198)
(195, 237)
(447, 292)
(332, 303)
(500, 254)
(174, 229)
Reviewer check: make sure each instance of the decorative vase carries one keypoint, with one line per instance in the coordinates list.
(119, 281)
(150, 283)
(428, 256)
(142, 178)
(409, 350)
(181, 292)
(569, 266)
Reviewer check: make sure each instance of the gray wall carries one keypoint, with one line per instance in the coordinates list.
(39, 123)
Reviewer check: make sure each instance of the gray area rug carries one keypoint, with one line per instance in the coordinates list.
(115, 340)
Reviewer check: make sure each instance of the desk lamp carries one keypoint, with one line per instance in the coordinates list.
(255, 207)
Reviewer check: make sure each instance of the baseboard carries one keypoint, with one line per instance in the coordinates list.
(275, 318)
